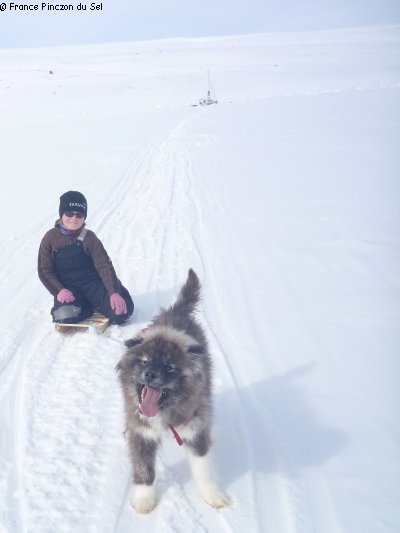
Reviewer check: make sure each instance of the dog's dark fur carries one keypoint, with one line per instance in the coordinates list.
(169, 363)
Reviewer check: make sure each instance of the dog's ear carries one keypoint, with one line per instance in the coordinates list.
(196, 349)
(133, 342)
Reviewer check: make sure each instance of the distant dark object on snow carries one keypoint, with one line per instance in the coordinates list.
(51, 72)
(211, 97)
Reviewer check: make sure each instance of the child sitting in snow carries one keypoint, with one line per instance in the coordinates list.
(75, 268)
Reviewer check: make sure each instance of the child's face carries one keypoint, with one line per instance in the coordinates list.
(72, 223)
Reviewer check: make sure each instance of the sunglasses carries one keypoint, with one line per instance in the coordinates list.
(71, 214)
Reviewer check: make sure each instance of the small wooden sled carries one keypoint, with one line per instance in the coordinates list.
(97, 321)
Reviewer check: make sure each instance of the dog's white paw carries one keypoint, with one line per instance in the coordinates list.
(203, 475)
(144, 499)
(214, 497)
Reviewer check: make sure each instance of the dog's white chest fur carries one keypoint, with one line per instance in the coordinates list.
(156, 428)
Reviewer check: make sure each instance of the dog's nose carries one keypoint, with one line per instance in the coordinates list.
(150, 375)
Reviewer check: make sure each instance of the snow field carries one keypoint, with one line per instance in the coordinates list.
(283, 199)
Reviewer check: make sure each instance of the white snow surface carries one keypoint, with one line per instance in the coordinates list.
(284, 199)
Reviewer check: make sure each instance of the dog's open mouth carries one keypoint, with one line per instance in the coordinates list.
(149, 400)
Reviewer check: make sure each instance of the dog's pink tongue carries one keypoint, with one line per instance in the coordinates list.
(150, 397)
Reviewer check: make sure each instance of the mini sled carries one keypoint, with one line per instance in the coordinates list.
(99, 323)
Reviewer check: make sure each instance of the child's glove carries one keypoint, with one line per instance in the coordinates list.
(65, 296)
(118, 304)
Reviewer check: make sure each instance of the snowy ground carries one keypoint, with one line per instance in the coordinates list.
(284, 199)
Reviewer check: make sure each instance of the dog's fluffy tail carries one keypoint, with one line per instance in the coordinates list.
(189, 296)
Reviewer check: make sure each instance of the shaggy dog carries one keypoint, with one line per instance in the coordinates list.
(165, 377)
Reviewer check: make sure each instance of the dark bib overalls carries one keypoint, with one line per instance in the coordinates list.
(76, 271)
(74, 268)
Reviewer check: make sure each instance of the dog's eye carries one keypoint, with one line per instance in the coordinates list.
(143, 362)
(170, 368)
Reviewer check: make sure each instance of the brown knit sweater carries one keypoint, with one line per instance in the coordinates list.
(54, 240)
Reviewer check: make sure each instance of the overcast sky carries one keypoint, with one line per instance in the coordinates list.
(131, 20)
